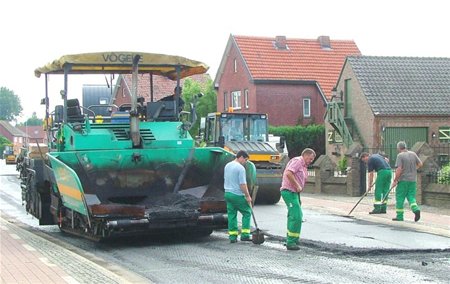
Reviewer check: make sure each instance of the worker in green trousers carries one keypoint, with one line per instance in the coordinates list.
(237, 197)
(379, 164)
(293, 182)
(405, 179)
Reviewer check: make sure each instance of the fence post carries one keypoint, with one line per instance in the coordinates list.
(323, 170)
(427, 156)
(354, 174)
(420, 184)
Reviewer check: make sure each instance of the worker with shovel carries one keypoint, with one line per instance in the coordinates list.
(293, 182)
(237, 197)
(405, 179)
(378, 163)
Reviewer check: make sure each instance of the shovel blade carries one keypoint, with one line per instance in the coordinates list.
(257, 237)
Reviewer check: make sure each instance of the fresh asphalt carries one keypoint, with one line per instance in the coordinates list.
(323, 227)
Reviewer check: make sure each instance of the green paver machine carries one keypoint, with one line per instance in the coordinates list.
(134, 172)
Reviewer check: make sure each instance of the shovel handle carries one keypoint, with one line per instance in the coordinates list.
(254, 219)
(387, 194)
(362, 197)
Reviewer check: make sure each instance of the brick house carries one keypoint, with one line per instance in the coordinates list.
(34, 134)
(10, 132)
(162, 87)
(289, 79)
(22, 135)
(382, 100)
(13, 134)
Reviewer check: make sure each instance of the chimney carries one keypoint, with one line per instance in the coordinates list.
(324, 42)
(280, 42)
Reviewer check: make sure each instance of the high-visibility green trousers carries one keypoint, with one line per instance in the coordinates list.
(382, 185)
(237, 203)
(405, 189)
(294, 216)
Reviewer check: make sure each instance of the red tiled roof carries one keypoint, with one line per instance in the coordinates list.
(162, 86)
(304, 59)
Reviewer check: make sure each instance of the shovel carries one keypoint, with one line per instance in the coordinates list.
(257, 234)
(362, 197)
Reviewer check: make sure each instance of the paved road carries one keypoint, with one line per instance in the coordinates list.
(215, 260)
(319, 226)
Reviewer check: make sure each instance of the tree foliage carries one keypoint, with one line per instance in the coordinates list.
(205, 104)
(33, 121)
(10, 106)
(3, 142)
(299, 137)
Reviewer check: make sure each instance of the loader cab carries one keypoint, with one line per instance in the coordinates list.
(235, 127)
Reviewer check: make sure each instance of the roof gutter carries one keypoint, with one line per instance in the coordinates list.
(284, 82)
(322, 94)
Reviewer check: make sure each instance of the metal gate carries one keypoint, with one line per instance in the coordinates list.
(411, 135)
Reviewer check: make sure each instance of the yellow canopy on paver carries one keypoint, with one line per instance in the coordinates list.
(121, 62)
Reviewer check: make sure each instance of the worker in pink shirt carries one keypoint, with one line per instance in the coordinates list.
(294, 179)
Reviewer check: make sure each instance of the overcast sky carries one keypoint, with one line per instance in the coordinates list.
(34, 33)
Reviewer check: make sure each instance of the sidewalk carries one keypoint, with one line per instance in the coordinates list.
(26, 257)
(21, 263)
(433, 220)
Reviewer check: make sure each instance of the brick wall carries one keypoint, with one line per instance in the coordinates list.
(231, 81)
(284, 103)
(431, 122)
(360, 111)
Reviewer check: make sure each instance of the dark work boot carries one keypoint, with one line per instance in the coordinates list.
(246, 239)
(396, 219)
(292, 247)
(417, 216)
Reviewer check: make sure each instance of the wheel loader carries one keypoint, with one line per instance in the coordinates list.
(8, 155)
(236, 131)
(136, 171)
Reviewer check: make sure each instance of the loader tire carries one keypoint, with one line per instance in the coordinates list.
(268, 197)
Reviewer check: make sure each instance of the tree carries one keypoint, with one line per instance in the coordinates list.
(205, 104)
(9, 104)
(32, 121)
(4, 142)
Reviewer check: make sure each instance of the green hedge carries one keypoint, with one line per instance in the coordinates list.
(300, 137)
(444, 175)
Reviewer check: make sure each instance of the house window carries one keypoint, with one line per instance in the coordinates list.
(235, 66)
(236, 99)
(444, 134)
(306, 107)
(225, 101)
(246, 98)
